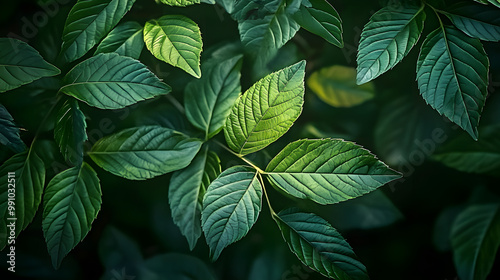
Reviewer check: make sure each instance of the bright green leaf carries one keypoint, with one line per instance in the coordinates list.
(21, 64)
(71, 202)
(111, 81)
(9, 132)
(327, 170)
(266, 110)
(319, 246)
(231, 207)
(69, 131)
(144, 152)
(175, 266)
(452, 74)
(475, 20)
(176, 40)
(126, 39)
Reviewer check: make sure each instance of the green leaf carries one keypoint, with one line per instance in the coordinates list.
(29, 180)
(69, 131)
(327, 170)
(126, 39)
(475, 239)
(175, 266)
(186, 190)
(176, 40)
(9, 132)
(475, 20)
(179, 3)
(452, 74)
(231, 207)
(88, 22)
(228, 5)
(322, 19)
(21, 64)
(266, 110)
(319, 246)
(71, 203)
(111, 81)
(336, 85)
(144, 152)
(208, 101)
(387, 39)
(494, 2)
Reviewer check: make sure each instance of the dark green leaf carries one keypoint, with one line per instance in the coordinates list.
(126, 39)
(69, 131)
(475, 20)
(9, 132)
(494, 2)
(176, 266)
(179, 3)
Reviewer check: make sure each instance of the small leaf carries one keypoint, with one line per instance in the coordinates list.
(327, 170)
(69, 131)
(175, 266)
(322, 19)
(210, 99)
(9, 132)
(475, 20)
(144, 152)
(231, 207)
(88, 22)
(336, 85)
(186, 190)
(475, 239)
(126, 39)
(179, 3)
(176, 40)
(266, 110)
(111, 81)
(319, 246)
(21, 64)
(452, 74)
(387, 39)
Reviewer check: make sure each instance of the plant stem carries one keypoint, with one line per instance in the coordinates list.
(267, 197)
(240, 156)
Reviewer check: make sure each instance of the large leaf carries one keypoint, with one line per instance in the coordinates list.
(111, 81)
(321, 19)
(176, 40)
(88, 22)
(319, 246)
(69, 131)
(386, 39)
(29, 178)
(327, 170)
(210, 99)
(336, 85)
(9, 132)
(21, 64)
(175, 266)
(126, 39)
(144, 152)
(476, 20)
(186, 190)
(71, 203)
(475, 239)
(231, 206)
(452, 74)
(266, 110)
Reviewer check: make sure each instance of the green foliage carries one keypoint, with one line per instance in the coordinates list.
(69, 131)
(476, 21)
(9, 135)
(126, 39)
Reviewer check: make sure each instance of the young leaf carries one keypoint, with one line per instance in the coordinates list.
(266, 110)
(69, 131)
(9, 132)
(327, 170)
(176, 40)
(231, 207)
(475, 20)
(321, 19)
(186, 190)
(71, 203)
(111, 81)
(126, 39)
(144, 152)
(452, 74)
(88, 22)
(21, 64)
(210, 99)
(475, 239)
(387, 39)
(319, 246)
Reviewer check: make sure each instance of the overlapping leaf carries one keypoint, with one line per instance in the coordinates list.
(69, 131)
(319, 246)
(327, 170)
(266, 111)
(9, 132)
(126, 39)
(111, 81)
(475, 20)
(144, 152)
(88, 22)
(71, 203)
(387, 39)
(231, 206)
(21, 64)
